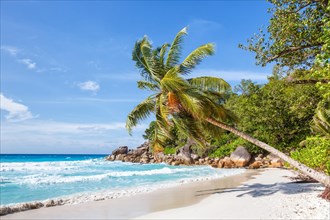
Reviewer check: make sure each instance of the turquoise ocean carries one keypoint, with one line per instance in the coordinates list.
(79, 178)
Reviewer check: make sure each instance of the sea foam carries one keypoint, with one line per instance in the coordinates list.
(75, 181)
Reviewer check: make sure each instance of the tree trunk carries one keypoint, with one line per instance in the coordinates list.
(320, 177)
(184, 152)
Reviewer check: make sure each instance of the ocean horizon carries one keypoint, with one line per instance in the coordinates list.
(77, 178)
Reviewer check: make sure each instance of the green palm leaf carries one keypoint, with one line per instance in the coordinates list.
(162, 53)
(189, 128)
(147, 85)
(208, 83)
(140, 112)
(172, 82)
(195, 57)
(174, 53)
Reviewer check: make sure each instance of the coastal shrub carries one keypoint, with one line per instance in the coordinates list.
(315, 154)
(226, 149)
(169, 150)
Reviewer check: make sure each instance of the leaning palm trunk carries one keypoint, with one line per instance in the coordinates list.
(320, 177)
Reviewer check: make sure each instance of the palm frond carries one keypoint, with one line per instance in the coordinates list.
(321, 122)
(208, 83)
(163, 110)
(209, 129)
(189, 128)
(139, 60)
(140, 112)
(222, 114)
(162, 53)
(172, 82)
(191, 103)
(174, 53)
(147, 85)
(195, 57)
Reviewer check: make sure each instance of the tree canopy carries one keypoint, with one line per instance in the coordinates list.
(297, 33)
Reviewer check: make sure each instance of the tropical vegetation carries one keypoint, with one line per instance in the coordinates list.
(290, 112)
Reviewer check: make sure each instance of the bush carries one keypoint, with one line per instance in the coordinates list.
(169, 150)
(226, 149)
(316, 154)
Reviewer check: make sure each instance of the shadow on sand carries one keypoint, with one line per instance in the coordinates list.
(257, 190)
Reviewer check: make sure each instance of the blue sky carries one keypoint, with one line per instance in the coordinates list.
(67, 79)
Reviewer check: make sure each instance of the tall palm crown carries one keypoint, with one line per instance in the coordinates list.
(177, 101)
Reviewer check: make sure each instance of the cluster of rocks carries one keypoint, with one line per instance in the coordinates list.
(239, 158)
(27, 206)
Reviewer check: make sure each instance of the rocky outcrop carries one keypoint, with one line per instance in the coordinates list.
(120, 150)
(241, 157)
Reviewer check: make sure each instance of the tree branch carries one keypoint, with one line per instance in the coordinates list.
(307, 81)
(292, 49)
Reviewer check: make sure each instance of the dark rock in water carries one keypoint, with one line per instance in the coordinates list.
(50, 203)
(5, 210)
(120, 150)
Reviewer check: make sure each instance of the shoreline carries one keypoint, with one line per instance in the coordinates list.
(161, 199)
(255, 194)
(85, 197)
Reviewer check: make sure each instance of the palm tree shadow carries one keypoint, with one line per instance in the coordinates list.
(258, 190)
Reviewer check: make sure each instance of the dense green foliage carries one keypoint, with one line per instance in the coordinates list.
(316, 154)
(298, 40)
(169, 150)
(294, 34)
(226, 144)
(278, 113)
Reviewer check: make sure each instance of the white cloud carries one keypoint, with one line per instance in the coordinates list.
(46, 136)
(89, 86)
(12, 51)
(17, 111)
(235, 75)
(29, 63)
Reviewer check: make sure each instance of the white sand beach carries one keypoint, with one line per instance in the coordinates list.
(270, 195)
(262, 194)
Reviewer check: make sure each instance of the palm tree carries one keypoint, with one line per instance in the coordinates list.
(321, 120)
(191, 105)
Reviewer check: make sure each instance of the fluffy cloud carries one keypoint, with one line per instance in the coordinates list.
(17, 111)
(29, 63)
(89, 86)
